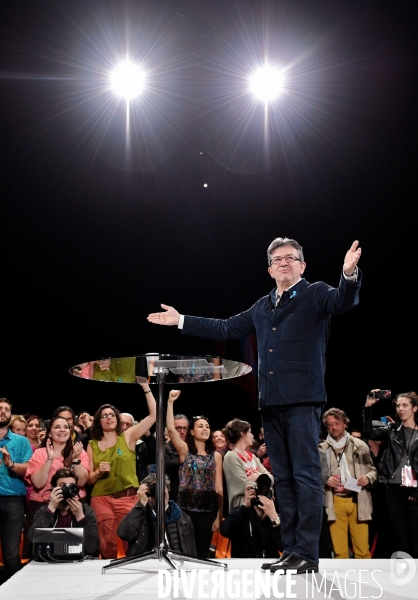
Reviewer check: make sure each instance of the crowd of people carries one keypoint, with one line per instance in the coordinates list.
(39, 456)
(216, 481)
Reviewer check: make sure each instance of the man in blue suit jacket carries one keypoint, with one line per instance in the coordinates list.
(292, 328)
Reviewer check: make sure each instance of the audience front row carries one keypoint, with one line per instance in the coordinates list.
(37, 461)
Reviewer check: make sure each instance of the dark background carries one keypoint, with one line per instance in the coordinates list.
(96, 233)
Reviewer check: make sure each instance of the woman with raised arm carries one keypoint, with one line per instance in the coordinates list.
(113, 468)
(200, 492)
(399, 467)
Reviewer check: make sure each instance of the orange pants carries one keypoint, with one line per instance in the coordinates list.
(109, 513)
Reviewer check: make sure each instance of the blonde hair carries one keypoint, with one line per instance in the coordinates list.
(17, 418)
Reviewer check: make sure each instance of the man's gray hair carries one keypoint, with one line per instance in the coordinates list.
(128, 415)
(180, 416)
(279, 242)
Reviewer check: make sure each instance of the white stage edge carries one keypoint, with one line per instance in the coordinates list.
(385, 579)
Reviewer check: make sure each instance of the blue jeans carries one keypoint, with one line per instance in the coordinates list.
(292, 435)
(12, 513)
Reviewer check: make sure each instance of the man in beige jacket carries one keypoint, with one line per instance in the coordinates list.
(347, 473)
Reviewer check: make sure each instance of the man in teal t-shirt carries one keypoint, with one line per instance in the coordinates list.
(15, 452)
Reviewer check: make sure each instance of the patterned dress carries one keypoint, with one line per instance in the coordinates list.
(197, 483)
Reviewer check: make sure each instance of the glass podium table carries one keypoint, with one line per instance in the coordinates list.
(161, 370)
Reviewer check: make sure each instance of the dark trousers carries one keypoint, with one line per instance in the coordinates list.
(403, 514)
(202, 525)
(292, 436)
(31, 509)
(12, 512)
(380, 527)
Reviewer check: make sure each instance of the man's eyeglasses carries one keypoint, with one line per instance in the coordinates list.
(179, 428)
(290, 259)
(107, 416)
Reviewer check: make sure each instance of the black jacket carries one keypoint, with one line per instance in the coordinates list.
(250, 537)
(44, 518)
(395, 440)
(138, 528)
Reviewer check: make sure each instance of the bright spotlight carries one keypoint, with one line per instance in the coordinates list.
(266, 83)
(127, 80)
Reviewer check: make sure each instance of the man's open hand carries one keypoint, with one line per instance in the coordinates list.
(351, 259)
(169, 317)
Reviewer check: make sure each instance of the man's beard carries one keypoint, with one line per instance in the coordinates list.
(5, 422)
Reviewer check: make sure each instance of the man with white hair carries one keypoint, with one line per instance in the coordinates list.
(126, 421)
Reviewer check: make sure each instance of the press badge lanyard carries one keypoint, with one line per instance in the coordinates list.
(339, 456)
(408, 476)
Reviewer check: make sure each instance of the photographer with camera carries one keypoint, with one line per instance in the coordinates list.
(138, 528)
(65, 510)
(254, 527)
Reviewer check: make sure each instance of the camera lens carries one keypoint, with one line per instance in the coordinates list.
(69, 490)
(262, 488)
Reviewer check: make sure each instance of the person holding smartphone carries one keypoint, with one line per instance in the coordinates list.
(399, 466)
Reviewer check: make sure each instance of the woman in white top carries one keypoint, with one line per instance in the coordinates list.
(241, 467)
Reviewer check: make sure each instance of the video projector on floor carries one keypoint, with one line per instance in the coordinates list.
(60, 544)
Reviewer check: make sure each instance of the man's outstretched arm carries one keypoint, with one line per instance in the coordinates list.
(215, 329)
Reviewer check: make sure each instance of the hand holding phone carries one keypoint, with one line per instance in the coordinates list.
(375, 395)
(380, 394)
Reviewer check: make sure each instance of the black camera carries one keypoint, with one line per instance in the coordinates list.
(262, 488)
(381, 394)
(151, 488)
(69, 490)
